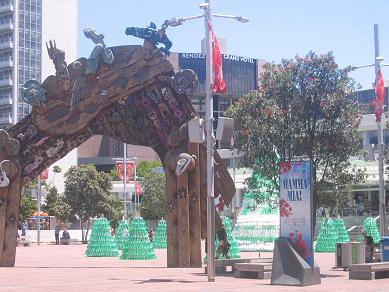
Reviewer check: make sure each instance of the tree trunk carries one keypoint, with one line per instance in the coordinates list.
(87, 230)
(82, 232)
(314, 200)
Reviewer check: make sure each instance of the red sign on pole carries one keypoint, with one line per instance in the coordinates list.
(45, 174)
(129, 170)
(138, 191)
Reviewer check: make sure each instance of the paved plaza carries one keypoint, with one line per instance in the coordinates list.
(65, 268)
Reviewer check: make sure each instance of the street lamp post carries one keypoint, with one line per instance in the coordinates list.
(377, 64)
(209, 126)
(125, 158)
(125, 181)
(377, 61)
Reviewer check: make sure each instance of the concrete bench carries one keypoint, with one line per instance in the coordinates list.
(253, 270)
(223, 266)
(370, 271)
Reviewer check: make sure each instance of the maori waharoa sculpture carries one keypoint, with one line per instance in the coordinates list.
(130, 93)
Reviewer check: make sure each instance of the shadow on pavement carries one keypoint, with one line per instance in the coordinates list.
(166, 281)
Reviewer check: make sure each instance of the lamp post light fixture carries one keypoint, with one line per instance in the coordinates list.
(207, 15)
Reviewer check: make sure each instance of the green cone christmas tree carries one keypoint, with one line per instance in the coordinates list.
(160, 240)
(370, 228)
(138, 245)
(101, 243)
(257, 225)
(327, 238)
(121, 234)
(341, 231)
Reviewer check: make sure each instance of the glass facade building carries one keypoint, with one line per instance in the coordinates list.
(20, 54)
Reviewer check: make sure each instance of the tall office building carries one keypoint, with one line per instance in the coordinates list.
(25, 26)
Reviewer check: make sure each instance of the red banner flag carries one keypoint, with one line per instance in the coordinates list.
(129, 169)
(379, 96)
(218, 85)
(45, 174)
(138, 191)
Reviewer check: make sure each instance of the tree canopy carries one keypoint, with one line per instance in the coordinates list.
(153, 205)
(146, 166)
(304, 108)
(87, 192)
(55, 205)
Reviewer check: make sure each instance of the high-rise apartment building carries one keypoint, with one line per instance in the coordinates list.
(25, 27)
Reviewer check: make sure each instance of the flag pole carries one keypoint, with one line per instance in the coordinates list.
(380, 141)
(209, 138)
(125, 181)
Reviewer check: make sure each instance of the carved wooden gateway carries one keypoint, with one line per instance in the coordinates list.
(130, 93)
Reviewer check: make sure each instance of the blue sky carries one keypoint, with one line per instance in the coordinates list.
(277, 29)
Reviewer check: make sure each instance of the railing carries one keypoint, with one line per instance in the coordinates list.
(6, 62)
(5, 99)
(6, 26)
(7, 44)
(6, 8)
(6, 118)
(6, 82)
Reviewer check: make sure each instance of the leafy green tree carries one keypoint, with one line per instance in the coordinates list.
(305, 107)
(27, 206)
(56, 169)
(87, 192)
(114, 174)
(146, 166)
(153, 205)
(55, 205)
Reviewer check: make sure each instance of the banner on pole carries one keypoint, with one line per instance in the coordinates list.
(129, 170)
(296, 207)
(45, 174)
(138, 190)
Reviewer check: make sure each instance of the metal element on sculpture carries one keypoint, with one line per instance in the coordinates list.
(153, 35)
(100, 50)
(58, 57)
(185, 81)
(33, 93)
(185, 162)
(4, 181)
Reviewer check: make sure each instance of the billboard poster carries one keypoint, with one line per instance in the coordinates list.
(296, 207)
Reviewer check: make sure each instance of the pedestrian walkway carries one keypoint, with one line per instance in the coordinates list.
(65, 268)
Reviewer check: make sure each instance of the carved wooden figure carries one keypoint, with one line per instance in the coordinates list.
(127, 92)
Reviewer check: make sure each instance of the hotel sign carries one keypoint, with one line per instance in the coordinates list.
(225, 57)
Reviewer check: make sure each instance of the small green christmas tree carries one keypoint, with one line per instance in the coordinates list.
(121, 234)
(341, 231)
(370, 228)
(138, 245)
(101, 243)
(327, 238)
(257, 225)
(160, 240)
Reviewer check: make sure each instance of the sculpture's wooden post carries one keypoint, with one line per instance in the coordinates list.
(194, 209)
(11, 216)
(10, 186)
(3, 209)
(183, 221)
(171, 219)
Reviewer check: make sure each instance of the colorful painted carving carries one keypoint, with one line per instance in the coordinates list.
(153, 35)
